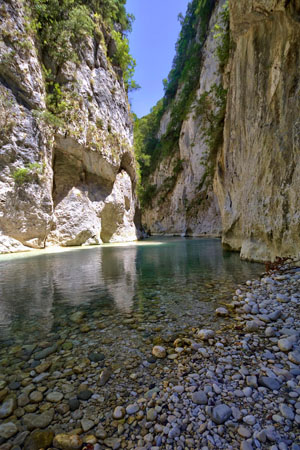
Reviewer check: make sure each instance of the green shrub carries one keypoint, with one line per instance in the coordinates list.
(27, 174)
(146, 194)
(124, 60)
(61, 26)
(49, 118)
(99, 123)
(35, 167)
(21, 175)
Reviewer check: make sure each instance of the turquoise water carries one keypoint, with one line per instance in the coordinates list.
(163, 284)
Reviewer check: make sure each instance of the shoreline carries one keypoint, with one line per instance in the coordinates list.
(237, 388)
(59, 249)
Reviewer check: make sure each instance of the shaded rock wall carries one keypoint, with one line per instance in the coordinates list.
(255, 198)
(57, 181)
(258, 176)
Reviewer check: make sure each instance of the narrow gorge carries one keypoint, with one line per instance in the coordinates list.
(227, 163)
(217, 156)
(149, 257)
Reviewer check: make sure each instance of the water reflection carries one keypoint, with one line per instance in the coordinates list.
(35, 291)
(119, 274)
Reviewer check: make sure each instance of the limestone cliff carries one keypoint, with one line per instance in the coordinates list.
(184, 201)
(66, 180)
(258, 170)
(255, 194)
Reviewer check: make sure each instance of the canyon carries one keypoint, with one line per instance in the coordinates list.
(246, 186)
(70, 178)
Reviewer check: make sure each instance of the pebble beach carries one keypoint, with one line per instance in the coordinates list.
(236, 387)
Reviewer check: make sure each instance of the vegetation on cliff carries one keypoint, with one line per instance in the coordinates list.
(61, 26)
(180, 89)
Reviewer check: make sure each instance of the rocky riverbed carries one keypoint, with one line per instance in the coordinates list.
(234, 388)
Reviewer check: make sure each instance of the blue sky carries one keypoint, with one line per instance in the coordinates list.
(152, 44)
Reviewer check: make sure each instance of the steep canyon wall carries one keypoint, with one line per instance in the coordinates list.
(232, 169)
(258, 171)
(66, 180)
(184, 202)
(254, 199)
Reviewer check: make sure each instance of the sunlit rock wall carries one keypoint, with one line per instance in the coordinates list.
(62, 185)
(190, 207)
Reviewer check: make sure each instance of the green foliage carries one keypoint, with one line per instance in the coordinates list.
(99, 123)
(28, 173)
(146, 194)
(61, 25)
(112, 12)
(50, 118)
(55, 99)
(222, 34)
(185, 67)
(21, 175)
(170, 182)
(124, 60)
(145, 139)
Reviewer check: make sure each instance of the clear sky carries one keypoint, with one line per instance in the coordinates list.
(152, 44)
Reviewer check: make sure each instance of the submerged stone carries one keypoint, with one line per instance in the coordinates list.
(159, 352)
(84, 395)
(104, 376)
(46, 352)
(96, 357)
(8, 430)
(7, 408)
(67, 442)
(39, 439)
(34, 421)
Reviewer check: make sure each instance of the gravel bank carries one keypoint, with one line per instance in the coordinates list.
(237, 388)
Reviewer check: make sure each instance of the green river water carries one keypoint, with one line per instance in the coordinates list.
(157, 285)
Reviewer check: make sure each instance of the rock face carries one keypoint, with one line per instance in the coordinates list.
(62, 184)
(258, 176)
(189, 207)
(256, 187)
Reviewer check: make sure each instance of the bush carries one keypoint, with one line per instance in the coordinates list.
(27, 174)
(21, 175)
(62, 25)
(49, 118)
(146, 195)
(124, 60)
